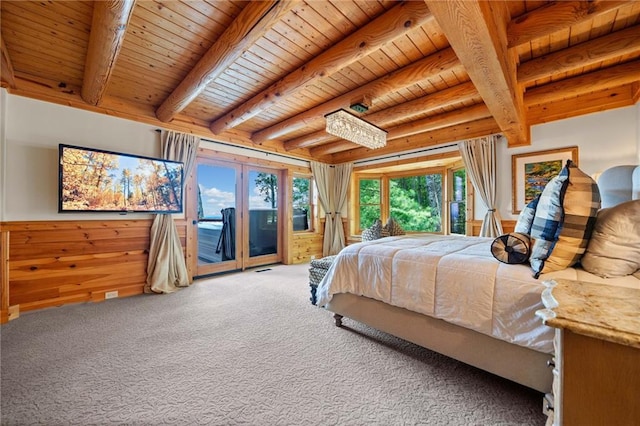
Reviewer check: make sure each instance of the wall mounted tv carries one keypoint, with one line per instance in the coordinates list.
(92, 180)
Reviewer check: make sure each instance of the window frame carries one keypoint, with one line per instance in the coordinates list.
(313, 213)
(444, 171)
(368, 176)
(467, 199)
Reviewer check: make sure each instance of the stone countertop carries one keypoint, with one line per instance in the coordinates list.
(597, 310)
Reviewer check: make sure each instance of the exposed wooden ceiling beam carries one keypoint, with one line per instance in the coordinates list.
(388, 27)
(6, 68)
(620, 43)
(446, 98)
(309, 140)
(465, 92)
(421, 70)
(108, 28)
(458, 116)
(591, 82)
(477, 33)
(252, 23)
(333, 147)
(601, 100)
(554, 17)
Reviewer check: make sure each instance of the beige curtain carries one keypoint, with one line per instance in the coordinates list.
(479, 156)
(332, 183)
(166, 268)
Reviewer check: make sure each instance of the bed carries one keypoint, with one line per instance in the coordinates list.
(451, 294)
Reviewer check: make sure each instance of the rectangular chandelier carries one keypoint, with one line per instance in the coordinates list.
(352, 128)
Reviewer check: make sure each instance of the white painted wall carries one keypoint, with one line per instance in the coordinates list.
(3, 163)
(604, 139)
(31, 130)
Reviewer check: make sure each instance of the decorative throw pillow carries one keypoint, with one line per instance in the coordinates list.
(525, 219)
(614, 247)
(564, 220)
(393, 228)
(373, 232)
(511, 248)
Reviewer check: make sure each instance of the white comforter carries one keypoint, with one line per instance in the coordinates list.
(453, 278)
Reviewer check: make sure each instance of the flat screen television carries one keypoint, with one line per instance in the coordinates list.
(93, 180)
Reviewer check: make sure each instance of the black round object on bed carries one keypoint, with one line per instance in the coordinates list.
(511, 248)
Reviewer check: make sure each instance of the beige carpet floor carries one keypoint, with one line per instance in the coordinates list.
(239, 349)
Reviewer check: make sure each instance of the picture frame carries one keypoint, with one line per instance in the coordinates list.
(531, 171)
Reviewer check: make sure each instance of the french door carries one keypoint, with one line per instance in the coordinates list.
(262, 216)
(238, 211)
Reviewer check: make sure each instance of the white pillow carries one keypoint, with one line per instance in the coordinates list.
(614, 247)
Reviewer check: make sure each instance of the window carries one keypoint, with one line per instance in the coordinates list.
(431, 199)
(369, 197)
(458, 204)
(302, 204)
(415, 202)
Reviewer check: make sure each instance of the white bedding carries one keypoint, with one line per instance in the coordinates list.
(454, 278)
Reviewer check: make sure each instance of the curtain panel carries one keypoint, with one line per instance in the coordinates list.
(479, 156)
(166, 267)
(333, 183)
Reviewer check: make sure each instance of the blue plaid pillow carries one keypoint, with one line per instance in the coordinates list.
(525, 219)
(564, 220)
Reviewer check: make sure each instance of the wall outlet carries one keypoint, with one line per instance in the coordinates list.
(313, 257)
(111, 294)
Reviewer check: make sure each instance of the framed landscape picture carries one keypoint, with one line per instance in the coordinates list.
(531, 171)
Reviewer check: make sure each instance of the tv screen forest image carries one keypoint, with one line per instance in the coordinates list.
(92, 180)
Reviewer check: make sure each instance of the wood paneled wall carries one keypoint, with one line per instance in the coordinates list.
(305, 246)
(57, 262)
(52, 263)
(308, 245)
(507, 226)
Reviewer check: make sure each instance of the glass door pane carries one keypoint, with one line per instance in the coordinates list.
(216, 216)
(263, 213)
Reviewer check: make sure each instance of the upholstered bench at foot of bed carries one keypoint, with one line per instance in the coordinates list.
(317, 271)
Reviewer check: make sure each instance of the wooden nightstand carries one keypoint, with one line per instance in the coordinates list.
(597, 353)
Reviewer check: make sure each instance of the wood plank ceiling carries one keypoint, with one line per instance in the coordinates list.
(264, 73)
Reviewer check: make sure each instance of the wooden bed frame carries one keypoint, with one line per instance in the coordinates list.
(517, 363)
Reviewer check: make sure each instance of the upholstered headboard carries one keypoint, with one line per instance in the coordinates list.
(619, 184)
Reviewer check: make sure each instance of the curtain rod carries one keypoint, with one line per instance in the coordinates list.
(267, 153)
(405, 154)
